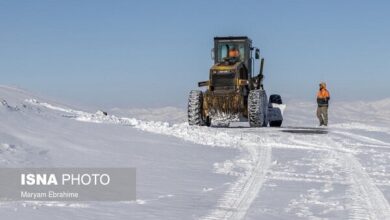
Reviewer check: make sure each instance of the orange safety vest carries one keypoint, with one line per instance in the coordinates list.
(233, 53)
(323, 93)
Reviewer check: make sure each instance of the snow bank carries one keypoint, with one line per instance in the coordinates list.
(341, 173)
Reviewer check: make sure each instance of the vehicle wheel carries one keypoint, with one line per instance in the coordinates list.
(275, 98)
(275, 123)
(195, 107)
(275, 113)
(257, 108)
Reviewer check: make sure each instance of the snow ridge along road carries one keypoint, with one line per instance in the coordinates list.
(366, 201)
(255, 162)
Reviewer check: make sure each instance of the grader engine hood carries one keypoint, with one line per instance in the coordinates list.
(224, 77)
(223, 67)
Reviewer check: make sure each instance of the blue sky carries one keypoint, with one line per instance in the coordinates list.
(151, 53)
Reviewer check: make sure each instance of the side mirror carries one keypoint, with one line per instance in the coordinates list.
(257, 54)
(203, 83)
(212, 53)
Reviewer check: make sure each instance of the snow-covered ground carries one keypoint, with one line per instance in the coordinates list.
(295, 172)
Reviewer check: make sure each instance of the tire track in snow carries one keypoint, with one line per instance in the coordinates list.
(238, 198)
(368, 202)
(369, 142)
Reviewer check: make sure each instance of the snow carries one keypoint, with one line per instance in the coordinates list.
(188, 172)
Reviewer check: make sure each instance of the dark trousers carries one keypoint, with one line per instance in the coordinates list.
(322, 114)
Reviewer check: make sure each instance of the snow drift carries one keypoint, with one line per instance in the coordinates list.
(206, 173)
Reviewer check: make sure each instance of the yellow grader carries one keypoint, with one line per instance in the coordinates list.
(234, 92)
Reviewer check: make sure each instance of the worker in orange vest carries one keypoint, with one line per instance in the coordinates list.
(234, 52)
(323, 104)
(233, 56)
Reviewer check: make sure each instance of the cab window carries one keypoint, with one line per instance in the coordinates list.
(224, 47)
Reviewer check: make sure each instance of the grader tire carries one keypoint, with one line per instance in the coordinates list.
(195, 104)
(257, 108)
